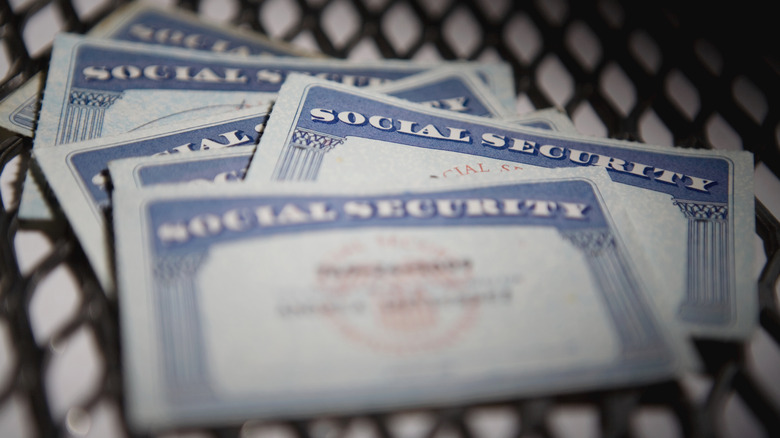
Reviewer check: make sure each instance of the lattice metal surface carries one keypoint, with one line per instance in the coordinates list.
(641, 71)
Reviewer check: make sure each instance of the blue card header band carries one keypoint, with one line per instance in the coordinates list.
(185, 225)
(342, 114)
(108, 69)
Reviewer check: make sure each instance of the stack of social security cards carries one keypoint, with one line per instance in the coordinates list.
(300, 236)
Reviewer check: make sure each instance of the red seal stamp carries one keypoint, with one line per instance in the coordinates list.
(411, 294)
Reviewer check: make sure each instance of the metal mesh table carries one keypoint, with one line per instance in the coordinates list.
(650, 71)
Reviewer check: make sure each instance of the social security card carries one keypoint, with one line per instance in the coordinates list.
(146, 23)
(552, 119)
(461, 91)
(451, 89)
(77, 174)
(19, 110)
(151, 24)
(108, 87)
(375, 299)
(695, 208)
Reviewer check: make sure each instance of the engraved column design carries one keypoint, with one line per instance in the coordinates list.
(710, 272)
(83, 118)
(635, 327)
(302, 158)
(184, 360)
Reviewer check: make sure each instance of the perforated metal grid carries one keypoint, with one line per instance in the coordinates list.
(643, 71)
